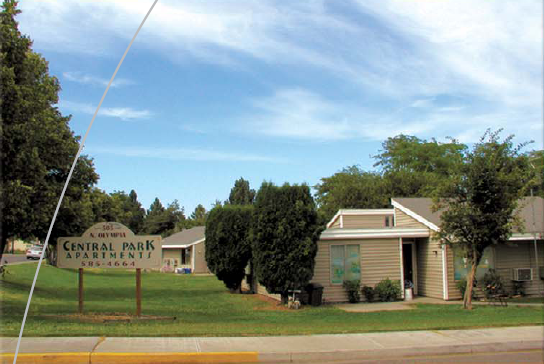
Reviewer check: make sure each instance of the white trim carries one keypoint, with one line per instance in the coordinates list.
(193, 255)
(414, 215)
(334, 219)
(444, 274)
(401, 269)
(341, 221)
(357, 212)
(373, 233)
(526, 236)
(367, 212)
(182, 246)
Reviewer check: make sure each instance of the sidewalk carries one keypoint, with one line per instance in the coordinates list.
(277, 349)
(410, 305)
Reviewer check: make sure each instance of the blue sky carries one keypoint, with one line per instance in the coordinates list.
(282, 91)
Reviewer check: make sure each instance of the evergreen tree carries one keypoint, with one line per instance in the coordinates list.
(228, 245)
(284, 237)
(241, 194)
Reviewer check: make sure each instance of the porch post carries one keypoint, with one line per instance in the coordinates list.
(401, 269)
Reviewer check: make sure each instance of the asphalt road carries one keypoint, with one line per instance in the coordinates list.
(531, 356)
(16, 259)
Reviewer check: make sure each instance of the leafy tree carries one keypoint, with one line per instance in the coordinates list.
(161, 220)
(241, 194)
(351, 188)
(414, 167)
(228, 245)
(536, 164)
(37, 145)
(285, 234)
(131, 213)
(198, 216)
(484, 196)
(409, 153)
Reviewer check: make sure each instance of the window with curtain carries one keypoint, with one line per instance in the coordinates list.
(461, 266)
(345, 263)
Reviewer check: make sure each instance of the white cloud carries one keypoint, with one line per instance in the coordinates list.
(123, 113)
(192, 154)
(95, 81)
(301, 114)
(404, 53)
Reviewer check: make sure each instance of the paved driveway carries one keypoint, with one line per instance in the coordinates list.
(15, 259)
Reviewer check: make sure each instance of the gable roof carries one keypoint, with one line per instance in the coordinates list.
(422, 207)
(186, 237)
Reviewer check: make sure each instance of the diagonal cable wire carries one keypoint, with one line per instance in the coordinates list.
(70, 176)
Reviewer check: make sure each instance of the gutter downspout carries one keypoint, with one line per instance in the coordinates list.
(537, 269)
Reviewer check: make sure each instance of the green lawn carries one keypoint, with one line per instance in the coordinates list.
(203, 307)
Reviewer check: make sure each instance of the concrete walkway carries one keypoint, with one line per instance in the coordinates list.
(277, 349)
(409, 305)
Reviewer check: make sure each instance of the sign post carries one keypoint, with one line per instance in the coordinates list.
(110, 245)
(138, 292)
(80, 291)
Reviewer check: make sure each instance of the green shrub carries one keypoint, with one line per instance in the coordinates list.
(462, 286)
(388, 290)
(369, 293)
(492, 284)
(353, 287)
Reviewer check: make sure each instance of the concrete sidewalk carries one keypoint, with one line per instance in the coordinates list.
(277, 349)
(410, 305)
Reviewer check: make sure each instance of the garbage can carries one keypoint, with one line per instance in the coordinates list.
(316, 297)
(408, 294)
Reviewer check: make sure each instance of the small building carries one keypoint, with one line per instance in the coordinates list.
(374, 244)
(185, 250)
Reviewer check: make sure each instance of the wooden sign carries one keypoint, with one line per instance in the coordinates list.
(109, 245)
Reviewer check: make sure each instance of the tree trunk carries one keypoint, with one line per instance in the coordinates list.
(284, 298)
(4, 242)
(467, 301)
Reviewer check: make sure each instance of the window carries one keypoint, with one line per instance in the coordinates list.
(387, 221)
(345, 263)
(461, 266)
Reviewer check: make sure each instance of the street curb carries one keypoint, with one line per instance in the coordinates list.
(136, 358)
(392, 353)
(277, 357)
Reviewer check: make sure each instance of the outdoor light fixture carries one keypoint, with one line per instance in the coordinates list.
(435, 252)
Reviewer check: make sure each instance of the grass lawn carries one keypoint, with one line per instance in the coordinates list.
(203, 307)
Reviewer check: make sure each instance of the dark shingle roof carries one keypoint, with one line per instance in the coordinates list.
(422, 207)
(185, 237)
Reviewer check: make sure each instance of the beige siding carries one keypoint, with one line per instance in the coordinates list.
(380, 259)
(404, 220)
(429, 268)
(453, 291)
(200, 258)
(172, 254)
(364, 221)
(520, 256)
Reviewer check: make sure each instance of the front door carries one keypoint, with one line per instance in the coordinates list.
(407, 262)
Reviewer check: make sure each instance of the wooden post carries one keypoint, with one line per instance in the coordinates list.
(138, 291)
(80, 291)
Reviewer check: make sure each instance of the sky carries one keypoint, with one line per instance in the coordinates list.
(282, 91)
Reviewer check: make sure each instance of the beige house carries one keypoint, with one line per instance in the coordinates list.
(185, 250)
(397, 243)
